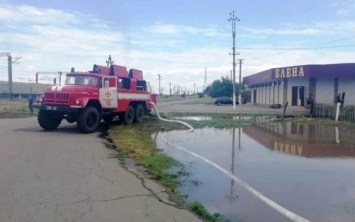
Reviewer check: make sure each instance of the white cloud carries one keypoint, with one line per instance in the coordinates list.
(160, 28)
(344, 7)
(29, 14)
(55, 40)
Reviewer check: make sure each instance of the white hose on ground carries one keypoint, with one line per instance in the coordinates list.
(292, 216)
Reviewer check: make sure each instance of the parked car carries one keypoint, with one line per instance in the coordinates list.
(224, 100)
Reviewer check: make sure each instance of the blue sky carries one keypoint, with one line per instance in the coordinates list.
(176, 39)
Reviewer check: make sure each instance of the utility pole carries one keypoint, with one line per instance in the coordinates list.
(49, 73)
(240, 62)
(159, 83)
(109, 62)
(10, 60)
(170, 89)
(205, 81)
(194, 88)
(233, 19)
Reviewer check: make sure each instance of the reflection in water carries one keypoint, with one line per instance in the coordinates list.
(196, 118)
(232, 197)
(267, 157)
(201, 118)
(301, 139)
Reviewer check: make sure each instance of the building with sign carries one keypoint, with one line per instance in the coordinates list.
(294, 84)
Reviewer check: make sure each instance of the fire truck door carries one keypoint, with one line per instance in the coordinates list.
(108, 92)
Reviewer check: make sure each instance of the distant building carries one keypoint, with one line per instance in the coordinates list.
(22, 89)
(294, 84)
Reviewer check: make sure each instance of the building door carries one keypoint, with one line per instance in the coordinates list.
(254, 98)
(297, 95)
(294, 95)
(301, 96)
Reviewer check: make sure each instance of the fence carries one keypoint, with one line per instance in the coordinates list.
(347, 113)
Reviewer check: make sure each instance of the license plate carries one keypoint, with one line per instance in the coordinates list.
(51, 108)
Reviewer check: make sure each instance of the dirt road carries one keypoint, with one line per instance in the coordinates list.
(67, 176)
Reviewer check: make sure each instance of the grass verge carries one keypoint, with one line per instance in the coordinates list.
(135, 142)
(14, 109)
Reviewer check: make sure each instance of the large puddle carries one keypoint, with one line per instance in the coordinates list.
(307, 169)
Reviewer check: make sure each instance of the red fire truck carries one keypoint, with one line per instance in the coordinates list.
(87, 97)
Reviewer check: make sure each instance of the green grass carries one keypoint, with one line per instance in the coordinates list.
(14, 109)
(200, 210)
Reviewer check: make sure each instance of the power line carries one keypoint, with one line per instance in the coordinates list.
(337, 40)
(297, 48)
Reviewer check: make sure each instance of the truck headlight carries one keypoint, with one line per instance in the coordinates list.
(77, 101)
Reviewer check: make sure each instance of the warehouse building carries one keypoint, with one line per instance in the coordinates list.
(294, 84)
(22, 89)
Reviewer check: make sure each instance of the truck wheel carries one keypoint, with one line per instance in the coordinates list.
(48, 120)
(88, 120)
(139, 113)
(128, 116)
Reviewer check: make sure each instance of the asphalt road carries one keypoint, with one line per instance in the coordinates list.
(189, 106)
(67, 176)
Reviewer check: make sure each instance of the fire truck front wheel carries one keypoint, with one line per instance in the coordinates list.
(128, 116)
(49, 120)
(88, 120)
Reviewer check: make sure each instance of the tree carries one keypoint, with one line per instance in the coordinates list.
(220, 87)
(224, 87)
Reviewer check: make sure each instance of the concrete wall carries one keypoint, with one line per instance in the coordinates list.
(281, 94)
(268, 94)
(325, 90)
(347, 85)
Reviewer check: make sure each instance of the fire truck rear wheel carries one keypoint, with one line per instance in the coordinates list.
(139, 113)
(128, 116)
(48, 120)
(88, 120)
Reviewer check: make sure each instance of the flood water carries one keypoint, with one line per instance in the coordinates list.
(307, 169)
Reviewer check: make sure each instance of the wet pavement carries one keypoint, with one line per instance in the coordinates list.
(307, 169)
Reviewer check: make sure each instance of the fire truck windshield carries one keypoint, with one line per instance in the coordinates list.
(83, 80)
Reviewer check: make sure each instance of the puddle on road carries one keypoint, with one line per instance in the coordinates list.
(202, 118)
(196, 118)
(308, 169)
